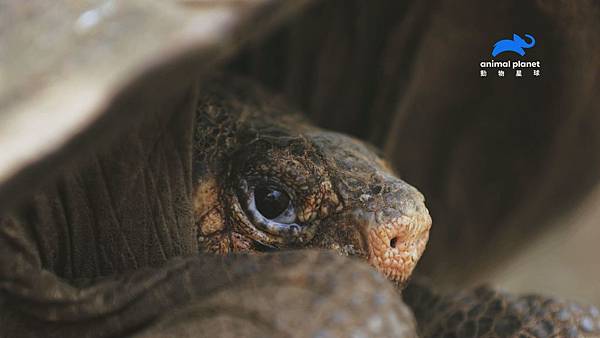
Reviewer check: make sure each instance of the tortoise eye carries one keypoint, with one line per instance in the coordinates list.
(271, 209)
(271, 203)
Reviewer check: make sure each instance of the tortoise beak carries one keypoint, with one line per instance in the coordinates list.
(395, 236)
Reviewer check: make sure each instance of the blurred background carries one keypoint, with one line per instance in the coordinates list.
(563, 262)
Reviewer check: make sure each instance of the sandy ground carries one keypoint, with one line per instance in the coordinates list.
(565, 262)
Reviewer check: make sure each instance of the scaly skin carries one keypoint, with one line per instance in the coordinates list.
(344, 196)
(487, 313)
(347, 199)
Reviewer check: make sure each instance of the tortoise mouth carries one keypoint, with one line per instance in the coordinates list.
(393, 241)
(394, 250)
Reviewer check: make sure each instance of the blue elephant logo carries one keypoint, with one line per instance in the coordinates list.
(517, 45)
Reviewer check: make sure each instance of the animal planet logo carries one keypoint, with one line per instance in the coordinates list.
(516, 45)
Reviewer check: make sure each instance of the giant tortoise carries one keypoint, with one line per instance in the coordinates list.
(160, 167)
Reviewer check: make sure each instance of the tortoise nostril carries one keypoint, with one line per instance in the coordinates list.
(393, 242)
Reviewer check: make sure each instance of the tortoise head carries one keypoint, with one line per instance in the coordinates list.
(267, 180)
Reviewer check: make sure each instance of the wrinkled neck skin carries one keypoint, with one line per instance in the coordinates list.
(345, 197)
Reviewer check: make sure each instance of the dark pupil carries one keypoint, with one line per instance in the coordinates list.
(270, 203)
